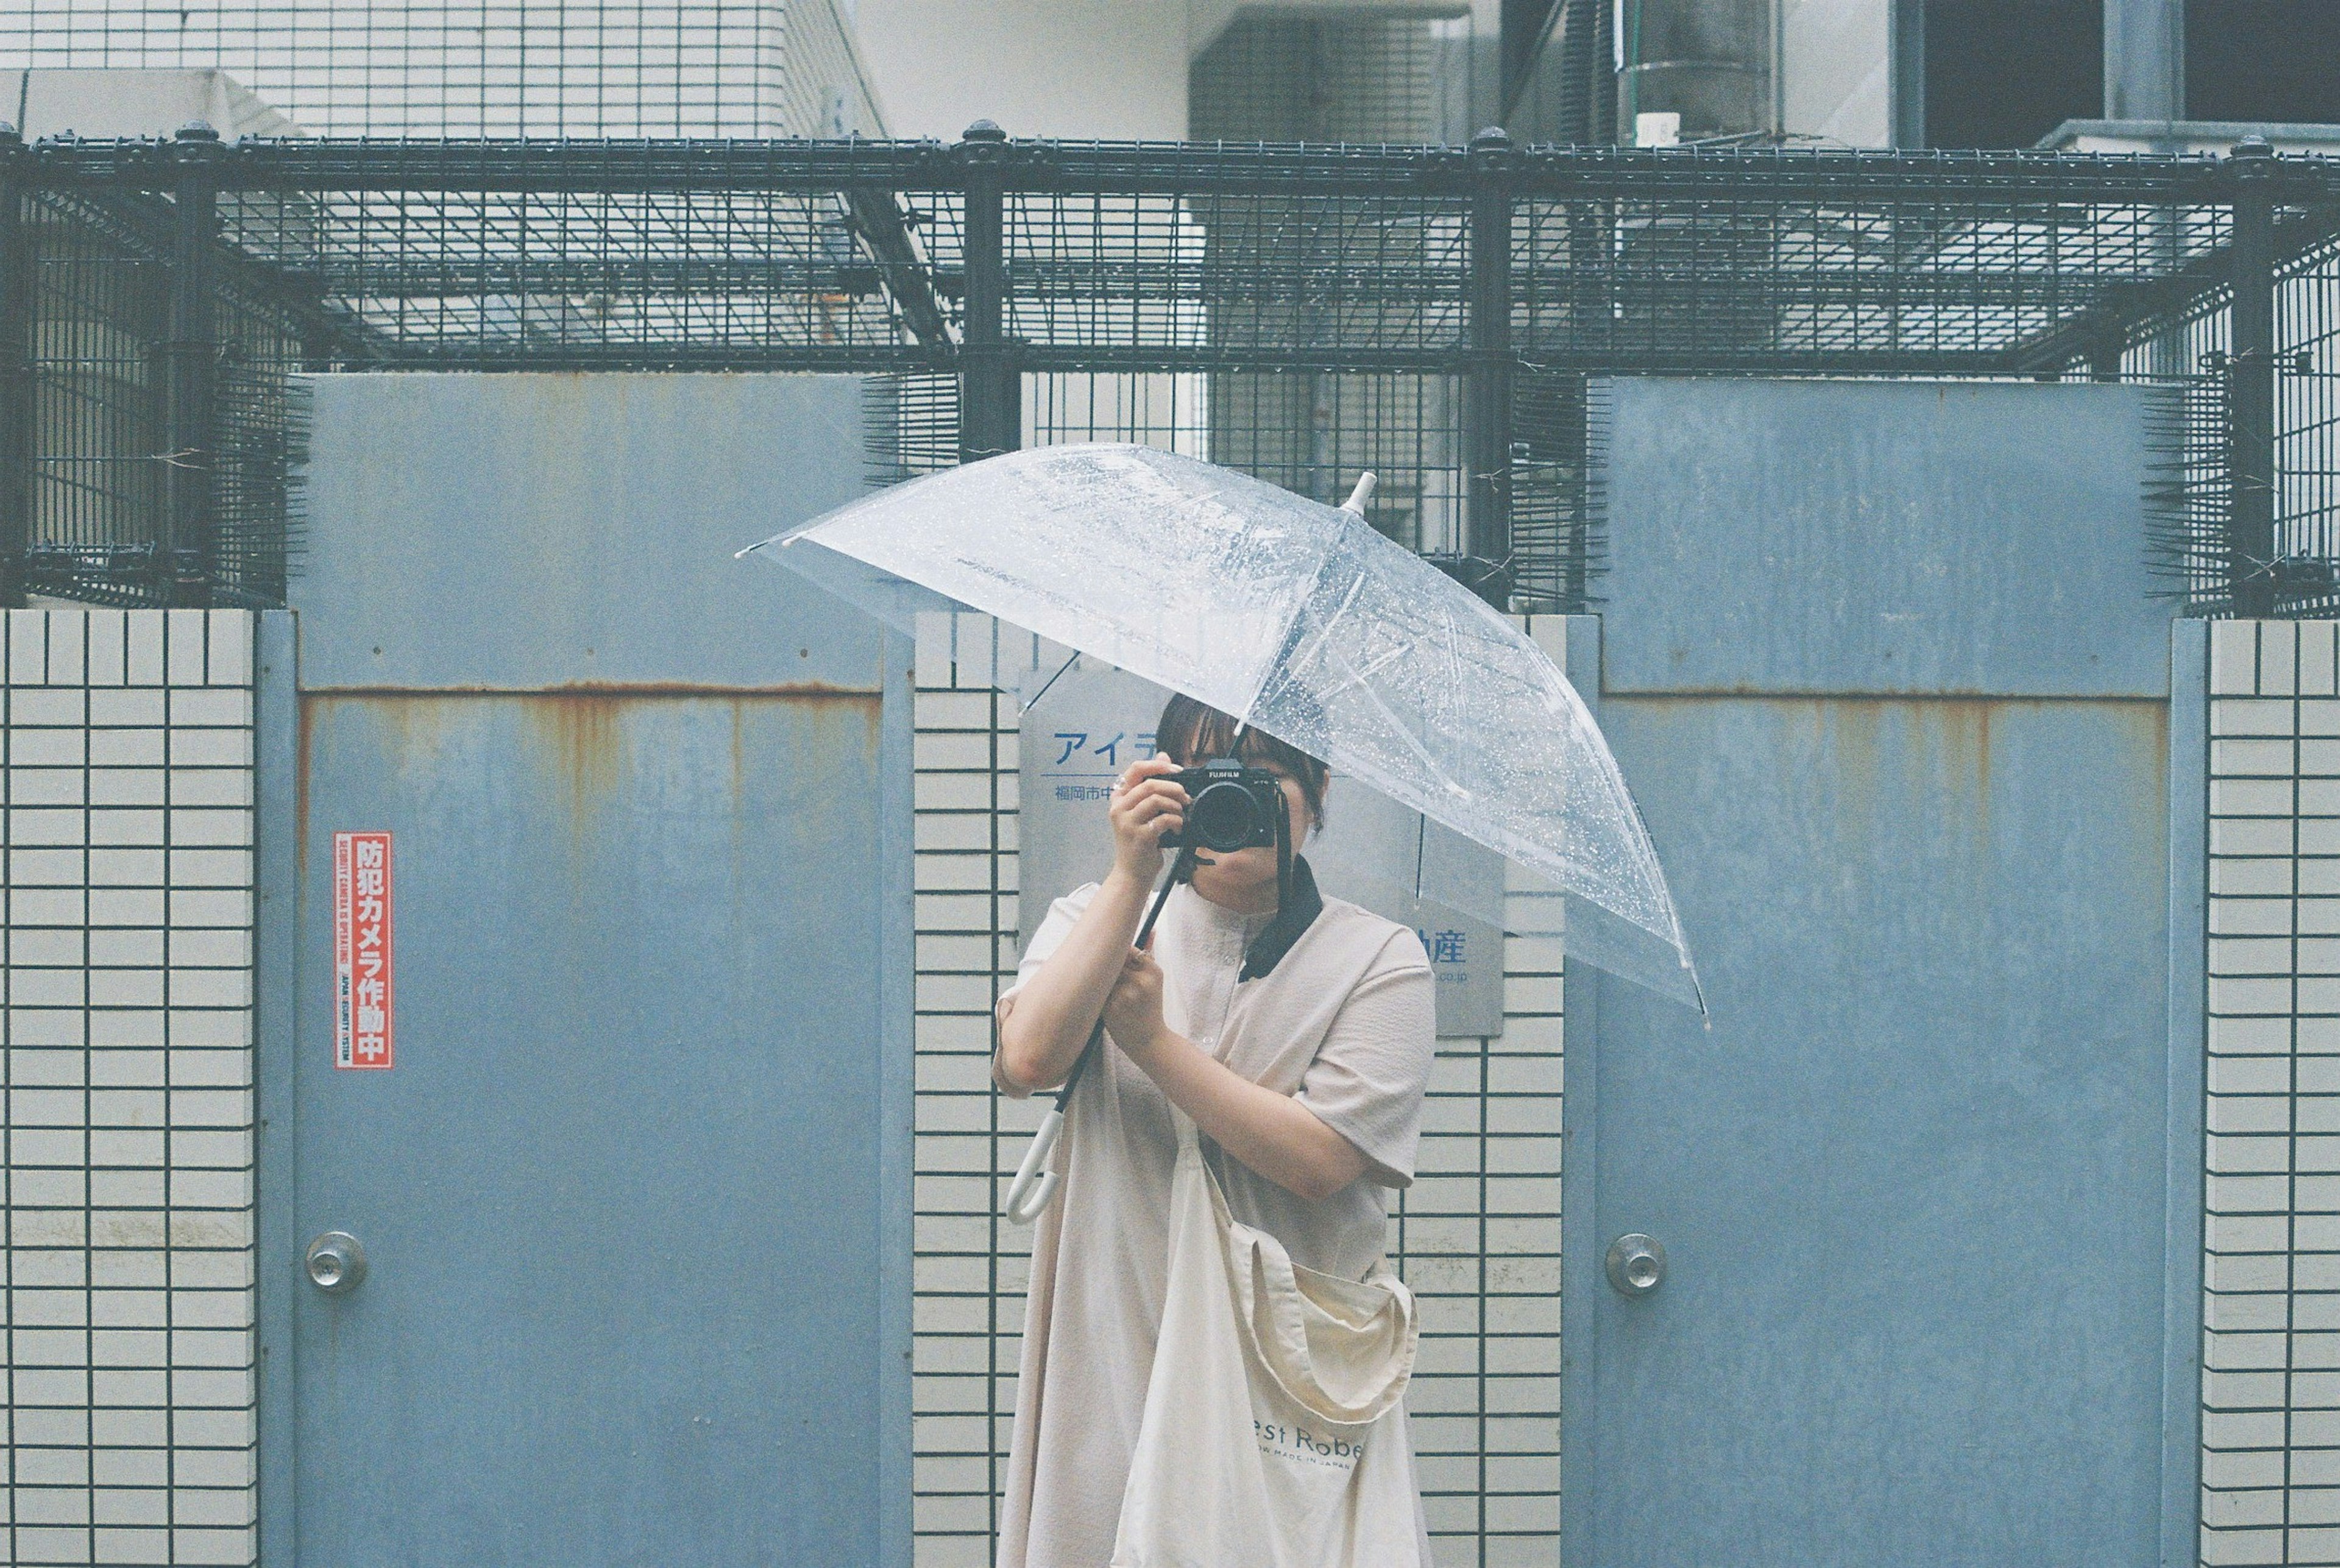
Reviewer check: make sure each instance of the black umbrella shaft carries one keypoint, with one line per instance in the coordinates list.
(1180, 870)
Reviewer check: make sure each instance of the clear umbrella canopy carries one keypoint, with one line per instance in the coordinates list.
(1299, 619)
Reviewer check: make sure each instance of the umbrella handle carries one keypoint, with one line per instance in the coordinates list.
(1029, 1195)
(1362, 494)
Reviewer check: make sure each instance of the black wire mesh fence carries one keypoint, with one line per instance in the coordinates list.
(1301, 311)
(98, 300)
(121, 416)
(2306, 463)
(2187, 349)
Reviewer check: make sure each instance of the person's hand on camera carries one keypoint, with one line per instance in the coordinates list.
(1145, 806)
(1133, 1012)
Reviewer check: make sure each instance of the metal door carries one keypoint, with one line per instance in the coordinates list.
(633, 1196)
(1883, 666)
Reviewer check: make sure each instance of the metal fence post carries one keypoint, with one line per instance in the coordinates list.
(191, 359)
(16, 455)
(1487, 396)
(2105, 350)
(2250, 384)
(990, 418)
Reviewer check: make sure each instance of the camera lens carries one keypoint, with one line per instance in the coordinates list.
(1223, 816)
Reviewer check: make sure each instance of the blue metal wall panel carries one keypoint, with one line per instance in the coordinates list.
(539, 530)
(635, 1195)
(620, 1193)
(1911, 1184)
(1883, 536)
(1915, 1183)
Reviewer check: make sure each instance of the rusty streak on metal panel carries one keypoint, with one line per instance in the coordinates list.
(580, 726)
(1849, 726)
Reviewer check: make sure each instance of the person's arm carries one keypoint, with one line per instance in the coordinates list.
(1274, 1134)
(1044, 1026)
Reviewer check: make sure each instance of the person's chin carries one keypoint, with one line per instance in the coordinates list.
(1233, 877)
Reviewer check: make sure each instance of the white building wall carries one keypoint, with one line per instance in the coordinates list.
(1077, 69)
(1062, 68)
(138, 103)
(125, 1057)
(1834, 78)
(392, 67)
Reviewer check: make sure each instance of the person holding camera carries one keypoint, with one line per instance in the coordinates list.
(1295, 1032)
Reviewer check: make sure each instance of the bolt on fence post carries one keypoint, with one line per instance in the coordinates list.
(15, 368)
(990, 416)
(2250, 384)
(1487, 393)
(190, 357)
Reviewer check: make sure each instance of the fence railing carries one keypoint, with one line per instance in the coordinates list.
(1300, 312)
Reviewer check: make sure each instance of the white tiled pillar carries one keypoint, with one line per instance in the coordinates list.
(1477, 1235)
(971, 1263)
(2271, 1347)
(126, 824)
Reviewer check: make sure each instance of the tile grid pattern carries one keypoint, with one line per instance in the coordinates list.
(2271, 1339)
(127, 825)
(1478, 1235)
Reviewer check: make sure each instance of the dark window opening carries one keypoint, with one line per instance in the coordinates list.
(2263, 60)
(2005, 73)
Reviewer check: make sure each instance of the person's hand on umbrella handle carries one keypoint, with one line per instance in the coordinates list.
(1133, 1012)
(1144, 807)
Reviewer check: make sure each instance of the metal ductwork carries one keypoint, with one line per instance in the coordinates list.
(1561, 85)
(1707, 61)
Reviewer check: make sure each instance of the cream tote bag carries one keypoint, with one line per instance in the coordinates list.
(1274, 1434)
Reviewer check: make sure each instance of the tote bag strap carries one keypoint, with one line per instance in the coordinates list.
(1340, 1349)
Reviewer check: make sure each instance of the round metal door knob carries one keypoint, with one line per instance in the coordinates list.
(1637, 1264)
(336, 1262)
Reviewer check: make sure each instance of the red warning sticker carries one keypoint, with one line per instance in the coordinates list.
(362, 988)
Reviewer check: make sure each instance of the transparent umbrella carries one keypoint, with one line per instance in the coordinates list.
(1297, 618)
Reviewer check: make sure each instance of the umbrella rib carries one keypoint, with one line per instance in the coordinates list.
(1358, 677)
(1308, 650)
(1068, 663)
(1397, 724)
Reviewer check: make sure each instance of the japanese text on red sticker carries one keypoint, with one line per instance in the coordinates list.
(362, 980)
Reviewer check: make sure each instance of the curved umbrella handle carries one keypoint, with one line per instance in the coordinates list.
(1029, 1195)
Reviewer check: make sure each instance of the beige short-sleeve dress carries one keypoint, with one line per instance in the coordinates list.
(1344, 1024)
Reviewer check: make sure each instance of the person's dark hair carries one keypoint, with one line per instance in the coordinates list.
(1191, 733)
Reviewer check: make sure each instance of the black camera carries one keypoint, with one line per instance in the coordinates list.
(1229, 807)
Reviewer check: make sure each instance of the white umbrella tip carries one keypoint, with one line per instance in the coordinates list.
(1362, 494)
